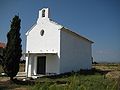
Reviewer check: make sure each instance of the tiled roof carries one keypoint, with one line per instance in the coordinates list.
(2, 45)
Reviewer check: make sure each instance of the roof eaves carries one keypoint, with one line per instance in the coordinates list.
(31, 28)
(55, 23)
(66, 29)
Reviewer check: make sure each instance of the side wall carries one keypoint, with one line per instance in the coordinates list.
(75, 53)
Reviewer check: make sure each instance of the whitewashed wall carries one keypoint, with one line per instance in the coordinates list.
(75, 52)
(52, 64)
(29, 69)
(48, 43)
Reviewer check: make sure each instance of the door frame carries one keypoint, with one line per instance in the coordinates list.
(37, 63)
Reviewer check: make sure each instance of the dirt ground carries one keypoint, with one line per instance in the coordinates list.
(5, 84)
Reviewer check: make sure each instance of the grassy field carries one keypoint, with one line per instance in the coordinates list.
(102, 77)
(77, 82)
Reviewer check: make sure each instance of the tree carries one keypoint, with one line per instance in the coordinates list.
(13, 50)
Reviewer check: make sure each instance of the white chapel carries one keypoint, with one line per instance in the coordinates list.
(54, 49)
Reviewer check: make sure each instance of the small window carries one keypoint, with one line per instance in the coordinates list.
(43, 13)
(42, 32)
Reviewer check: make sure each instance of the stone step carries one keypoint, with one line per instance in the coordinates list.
(21, 74)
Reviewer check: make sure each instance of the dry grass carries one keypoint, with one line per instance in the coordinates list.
(108, 67)
(113, 74)
(113, 70)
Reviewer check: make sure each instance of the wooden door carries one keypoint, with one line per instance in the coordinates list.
(41, 65)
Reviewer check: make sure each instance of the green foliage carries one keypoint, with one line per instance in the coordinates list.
(39, 86)
(13, 51)
(1, 69)
(80, 82)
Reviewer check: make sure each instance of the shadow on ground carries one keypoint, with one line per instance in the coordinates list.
(11, 85)
(93, 71)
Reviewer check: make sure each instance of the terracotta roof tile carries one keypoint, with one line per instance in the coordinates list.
(2, 45)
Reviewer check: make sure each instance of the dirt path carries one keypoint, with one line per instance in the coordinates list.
(6, 85)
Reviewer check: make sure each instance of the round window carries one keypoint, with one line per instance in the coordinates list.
(42, 32)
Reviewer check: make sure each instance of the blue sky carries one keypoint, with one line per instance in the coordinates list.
(98, 20)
